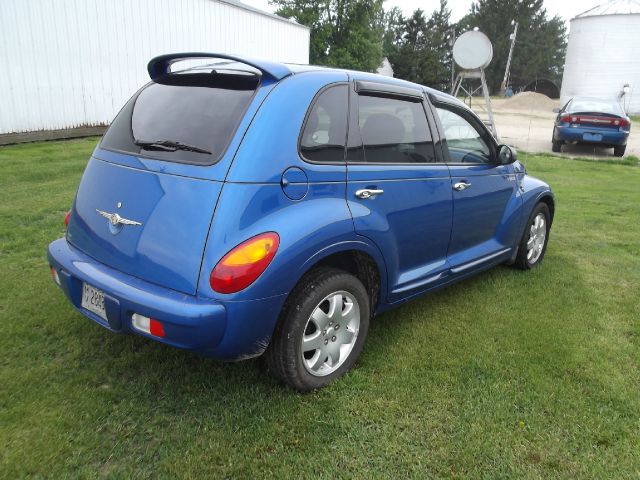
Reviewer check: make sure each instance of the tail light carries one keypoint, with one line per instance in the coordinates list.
(244, 264)
(622, 123)
(67, 216)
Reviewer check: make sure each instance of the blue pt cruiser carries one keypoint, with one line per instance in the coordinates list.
(242, 207)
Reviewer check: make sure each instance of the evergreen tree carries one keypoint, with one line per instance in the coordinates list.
(439, 40)
(393, 27)
(418, 48)
(344, 33)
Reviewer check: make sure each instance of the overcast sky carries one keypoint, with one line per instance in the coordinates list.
(567, 9)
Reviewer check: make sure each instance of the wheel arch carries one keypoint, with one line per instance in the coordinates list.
(358, 258)
(548, 199)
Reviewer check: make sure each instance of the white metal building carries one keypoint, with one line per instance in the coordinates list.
(602, 54)
(70, 63)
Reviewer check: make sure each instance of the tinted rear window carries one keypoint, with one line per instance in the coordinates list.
(325, 131)
(200, 110)
(595, 106)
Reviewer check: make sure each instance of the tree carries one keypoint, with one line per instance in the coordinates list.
(540, 46)
(393, 26)
(344, 33)
(418, 48)
(408, 59)
(439, 37)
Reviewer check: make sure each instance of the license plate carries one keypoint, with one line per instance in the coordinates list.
(592, 137)
(93, 300)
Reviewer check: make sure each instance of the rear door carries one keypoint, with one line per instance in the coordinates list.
(398, 189)
(146, 199)
(486, 200)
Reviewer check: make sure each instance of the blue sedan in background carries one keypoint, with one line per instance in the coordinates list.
(591, 121)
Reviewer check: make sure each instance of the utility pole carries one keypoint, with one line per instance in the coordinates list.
(452, 41)
(503, 87)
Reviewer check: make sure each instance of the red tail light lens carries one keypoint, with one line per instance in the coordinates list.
(244, 264)
(567, 119)
(156, 328)
(67, 216)
(147, 325)
(622, 123)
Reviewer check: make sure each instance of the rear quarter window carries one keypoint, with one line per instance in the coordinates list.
(324, 134)
(186, 118)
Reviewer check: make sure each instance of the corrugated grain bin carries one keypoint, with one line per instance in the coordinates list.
(602, 54)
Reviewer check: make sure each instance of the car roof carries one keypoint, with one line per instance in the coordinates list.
(279, 71)
(374, 77)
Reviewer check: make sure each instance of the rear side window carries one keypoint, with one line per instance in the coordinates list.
(394, 131)
(187, 118)
(325, 130)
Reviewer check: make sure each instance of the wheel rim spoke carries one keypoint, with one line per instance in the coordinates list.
(346, 337)
(334, 357)
(320, 318)
(312, 342)
(335, 307)
(317, 360)
(347, 311)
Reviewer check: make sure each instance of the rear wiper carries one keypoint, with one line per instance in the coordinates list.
(169, 146)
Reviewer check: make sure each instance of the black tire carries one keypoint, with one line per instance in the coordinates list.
(284, 357)
(522, 262)
(619, 150)
(556, 146)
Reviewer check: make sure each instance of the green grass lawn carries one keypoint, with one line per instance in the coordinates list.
(509, 374)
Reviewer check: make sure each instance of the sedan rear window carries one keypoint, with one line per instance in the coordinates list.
(585, 105)
(186, 117)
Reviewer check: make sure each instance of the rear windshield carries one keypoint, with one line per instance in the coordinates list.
(186, 117)
(595, 106)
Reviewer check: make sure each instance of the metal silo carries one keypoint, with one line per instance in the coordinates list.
(602, 54)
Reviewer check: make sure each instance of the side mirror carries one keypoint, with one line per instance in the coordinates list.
(507, 155)
(556, 110)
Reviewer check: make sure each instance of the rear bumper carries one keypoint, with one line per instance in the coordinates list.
(225, 330)
(576, 134)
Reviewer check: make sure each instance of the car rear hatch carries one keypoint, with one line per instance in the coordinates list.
(146, 199)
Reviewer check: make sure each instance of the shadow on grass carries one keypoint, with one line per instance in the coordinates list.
(461, 322)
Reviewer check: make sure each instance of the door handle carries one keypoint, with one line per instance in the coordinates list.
(368, 193)
(461, 186)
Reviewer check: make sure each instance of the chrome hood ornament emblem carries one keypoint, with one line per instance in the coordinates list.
(116, 220)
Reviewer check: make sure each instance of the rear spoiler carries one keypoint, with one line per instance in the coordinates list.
(161, 65)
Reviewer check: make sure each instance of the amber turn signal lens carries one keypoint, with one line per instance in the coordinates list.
(244, 264)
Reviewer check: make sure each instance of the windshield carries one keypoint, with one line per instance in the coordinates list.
(188, 117)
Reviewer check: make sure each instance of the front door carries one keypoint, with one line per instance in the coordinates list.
(486, 199)
(398, 190)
